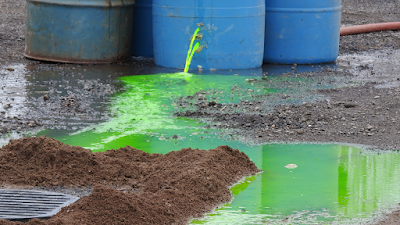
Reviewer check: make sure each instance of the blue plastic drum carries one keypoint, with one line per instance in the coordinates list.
(233, 33)
(79, 31)
(302, 31)
(142, 39)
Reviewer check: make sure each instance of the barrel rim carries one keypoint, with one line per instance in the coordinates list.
(304, 10)
(90, 3)
(208, 12)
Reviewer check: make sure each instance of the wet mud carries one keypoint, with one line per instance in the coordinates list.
(364, 112)
(363, 115)
(73, 100)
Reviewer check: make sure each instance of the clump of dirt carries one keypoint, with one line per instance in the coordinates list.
(392, 218)
(131, 186)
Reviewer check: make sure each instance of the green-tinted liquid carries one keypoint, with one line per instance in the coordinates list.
(331, 182)
(143, 113)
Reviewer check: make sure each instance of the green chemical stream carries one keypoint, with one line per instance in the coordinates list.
(191, 50)
(332, 183)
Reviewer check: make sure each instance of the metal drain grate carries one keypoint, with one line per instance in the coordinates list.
(26, 204)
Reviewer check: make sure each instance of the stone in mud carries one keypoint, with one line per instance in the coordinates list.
(7, 105)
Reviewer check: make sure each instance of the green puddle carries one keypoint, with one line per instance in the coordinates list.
(332, 183)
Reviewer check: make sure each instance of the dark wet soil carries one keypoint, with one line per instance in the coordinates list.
(365, 115)
(130, 186)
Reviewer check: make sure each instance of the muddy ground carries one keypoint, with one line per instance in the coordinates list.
(366, 114)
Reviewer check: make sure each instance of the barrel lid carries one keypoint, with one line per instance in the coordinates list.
(94, 3)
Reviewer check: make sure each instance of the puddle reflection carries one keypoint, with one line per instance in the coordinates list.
(332, 183)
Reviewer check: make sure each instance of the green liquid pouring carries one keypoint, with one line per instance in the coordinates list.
(191, 51)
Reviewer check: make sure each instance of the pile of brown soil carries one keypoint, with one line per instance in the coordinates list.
(131, 186)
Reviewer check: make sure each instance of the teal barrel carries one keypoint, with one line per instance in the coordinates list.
(79, 31)
(302, 31)
(233, 33)
(142, 40)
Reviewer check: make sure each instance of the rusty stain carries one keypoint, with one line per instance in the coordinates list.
(115, 59)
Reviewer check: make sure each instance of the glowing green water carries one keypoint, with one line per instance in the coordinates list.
(143, 113)
(331, 183)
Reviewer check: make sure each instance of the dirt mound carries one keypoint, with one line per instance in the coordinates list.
(42, 161)
(131, 186)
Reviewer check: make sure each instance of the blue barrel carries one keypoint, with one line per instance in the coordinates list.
(142, 39)
(233, 33)
(79, 31)
(302, 31)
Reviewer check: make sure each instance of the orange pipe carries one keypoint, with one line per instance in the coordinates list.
(369, 28)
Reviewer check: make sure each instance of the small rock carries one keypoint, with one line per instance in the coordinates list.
(10, 69)
(291, 166)
(349, 105)
(369, 127)
(7, 105)
(377, 96)
(45, 97)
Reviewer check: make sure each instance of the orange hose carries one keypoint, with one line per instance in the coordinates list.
(369, 28)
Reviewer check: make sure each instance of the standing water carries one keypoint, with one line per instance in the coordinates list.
(330, 183)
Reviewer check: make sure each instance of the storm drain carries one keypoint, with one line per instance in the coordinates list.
(26, 204)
